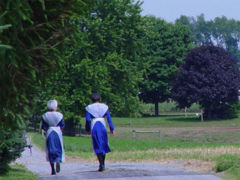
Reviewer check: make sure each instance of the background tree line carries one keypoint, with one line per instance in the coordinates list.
(220, 31)
(122, 56)
(68, 49)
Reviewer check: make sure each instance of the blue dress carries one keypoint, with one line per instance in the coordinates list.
(52, 123)
(95, 114)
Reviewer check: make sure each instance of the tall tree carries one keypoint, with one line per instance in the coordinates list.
(106, 60)
(210, 77)
(38, 28)
(165, 47)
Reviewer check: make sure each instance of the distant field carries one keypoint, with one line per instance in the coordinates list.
(166, 106)
(180, 129)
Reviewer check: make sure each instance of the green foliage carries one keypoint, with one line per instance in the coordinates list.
(166, 45)
(11, 146)
(32, 34)
(105, 60)
(36, 32)
(225, 162)
(232, 173)
(232, 111)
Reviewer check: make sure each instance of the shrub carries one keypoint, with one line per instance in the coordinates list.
(225, 162)
(11, 146)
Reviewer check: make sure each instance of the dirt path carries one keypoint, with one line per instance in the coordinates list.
(36, 163)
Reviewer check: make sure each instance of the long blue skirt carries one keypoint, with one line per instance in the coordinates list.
(100, 139)
(54, 148)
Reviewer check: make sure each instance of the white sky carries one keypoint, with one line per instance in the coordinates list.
(172, 9)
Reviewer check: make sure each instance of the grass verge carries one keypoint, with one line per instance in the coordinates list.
(18, 172)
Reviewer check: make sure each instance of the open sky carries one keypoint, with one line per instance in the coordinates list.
(172, 9)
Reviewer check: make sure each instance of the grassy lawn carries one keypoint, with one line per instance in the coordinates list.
(18, 172)
(182, 137)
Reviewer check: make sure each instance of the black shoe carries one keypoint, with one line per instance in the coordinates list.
(101, 168)
(58, 167)
(53, 169)
(101, 162)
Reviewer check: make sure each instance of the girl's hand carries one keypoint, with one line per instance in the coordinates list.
(112, 133)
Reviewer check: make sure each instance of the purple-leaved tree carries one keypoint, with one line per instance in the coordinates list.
(210, 77)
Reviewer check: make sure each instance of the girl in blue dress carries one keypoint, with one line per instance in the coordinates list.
(53, 124)
(96, 126)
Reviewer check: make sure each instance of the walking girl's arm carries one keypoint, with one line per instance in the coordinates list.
(44, 125)
(109, 119)
(61, 124)
(88, 122)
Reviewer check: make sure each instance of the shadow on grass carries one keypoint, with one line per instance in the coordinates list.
(193, 119)
(183, 119)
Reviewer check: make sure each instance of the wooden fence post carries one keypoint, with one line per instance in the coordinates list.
(133, 134)
(201, 115)
(159, 135)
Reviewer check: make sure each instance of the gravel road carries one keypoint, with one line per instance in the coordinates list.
(36, 163)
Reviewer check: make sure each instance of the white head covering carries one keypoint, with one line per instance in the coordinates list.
(52, 105)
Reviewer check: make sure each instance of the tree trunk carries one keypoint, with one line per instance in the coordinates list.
(156, 108)
(209, 114)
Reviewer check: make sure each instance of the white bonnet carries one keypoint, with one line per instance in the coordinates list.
(52, 105)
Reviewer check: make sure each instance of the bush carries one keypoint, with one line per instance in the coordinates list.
(225, 162)
(209, 77)
(11, 146)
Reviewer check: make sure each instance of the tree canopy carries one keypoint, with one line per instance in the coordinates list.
(209, 76)
(36, 31)
(165, 45)
(105, 60)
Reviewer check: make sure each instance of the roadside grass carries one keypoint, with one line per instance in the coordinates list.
(232, 173)
(18, 172)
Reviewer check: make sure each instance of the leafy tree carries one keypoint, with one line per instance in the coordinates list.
(165, 47)
(106, 60)
(11, 143)
(226, 33)
(220, 31)
(37, 31)
(210, 77)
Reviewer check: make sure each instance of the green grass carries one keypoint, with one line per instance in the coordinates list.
(81, 146)
(18, 172)
(232, 174)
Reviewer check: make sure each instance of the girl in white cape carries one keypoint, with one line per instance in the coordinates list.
(53, 124)
(96, 126)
